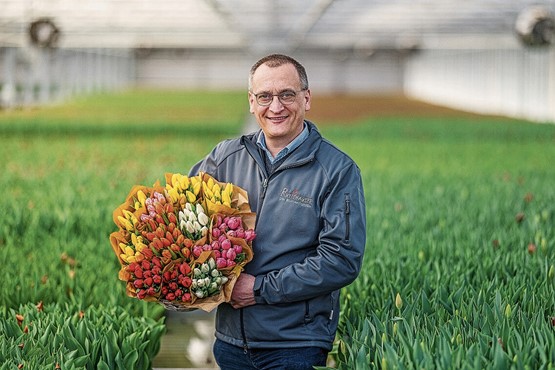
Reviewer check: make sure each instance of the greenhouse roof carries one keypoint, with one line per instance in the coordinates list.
(258, 25)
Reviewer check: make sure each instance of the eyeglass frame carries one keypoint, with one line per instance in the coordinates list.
(278, 96)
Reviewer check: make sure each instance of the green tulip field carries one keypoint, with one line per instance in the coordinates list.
(459, 270)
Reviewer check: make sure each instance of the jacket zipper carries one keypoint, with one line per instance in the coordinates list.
(347, 216)
(264, 187)
(245, 345)
(262, 196)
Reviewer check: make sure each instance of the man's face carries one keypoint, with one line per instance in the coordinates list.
(281, 123)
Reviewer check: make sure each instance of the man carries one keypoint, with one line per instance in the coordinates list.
(310, 226)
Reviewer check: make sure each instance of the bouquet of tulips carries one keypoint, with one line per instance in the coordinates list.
(183, 244)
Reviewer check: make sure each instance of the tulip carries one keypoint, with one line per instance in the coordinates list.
(185, 269)
(225, 244)
(250, 235)
(199, 294)
(197, 250)
(203, 219)
(192, 217)
(196, 188)
(141, 294)
(234, 222)
(231, 255)
(238, 249)
(221, 263)
(189, 227)
(196, 226)
(398, 301)
(186, 281)
(191, 197)
(184, 182)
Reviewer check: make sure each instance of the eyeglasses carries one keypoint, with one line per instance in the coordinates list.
(285, 97)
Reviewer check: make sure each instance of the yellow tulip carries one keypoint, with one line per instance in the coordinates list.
(229, 188)
(191, 198)
(175, 179)
(217, 190)
(210, 183)
(174, 195)
(125, 223)
(226, 199)
(196, 188)
(141, 197)
(208, 192)
(184, 182)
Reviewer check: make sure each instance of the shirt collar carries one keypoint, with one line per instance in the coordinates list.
(261, 141)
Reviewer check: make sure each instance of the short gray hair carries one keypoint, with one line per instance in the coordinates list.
(277, 60)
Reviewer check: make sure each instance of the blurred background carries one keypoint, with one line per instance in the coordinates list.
(488, 56)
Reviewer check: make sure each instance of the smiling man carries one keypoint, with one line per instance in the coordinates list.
(310, 226)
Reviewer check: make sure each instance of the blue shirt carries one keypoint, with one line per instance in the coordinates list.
(289, 148)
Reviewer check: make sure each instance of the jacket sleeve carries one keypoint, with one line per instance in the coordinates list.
(338, 257)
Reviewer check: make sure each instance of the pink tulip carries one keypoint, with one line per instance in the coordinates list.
(250, 235)
(238, 248)
(216, 232)
(231, 255)
(226, 244)
(234, 222)
(221, 263)
(197, 250)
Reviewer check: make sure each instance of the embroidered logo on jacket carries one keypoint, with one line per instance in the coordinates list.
(294, 196)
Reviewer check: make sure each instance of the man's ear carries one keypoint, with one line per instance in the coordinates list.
(251, 102)
(308, 99)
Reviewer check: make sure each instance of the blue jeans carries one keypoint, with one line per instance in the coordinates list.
(231, 357)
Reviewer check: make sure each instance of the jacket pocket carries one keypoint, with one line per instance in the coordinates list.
(347, 216)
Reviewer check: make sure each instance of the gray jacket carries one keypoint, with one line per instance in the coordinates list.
(310, 240)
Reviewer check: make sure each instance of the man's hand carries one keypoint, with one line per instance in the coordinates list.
(243, 291)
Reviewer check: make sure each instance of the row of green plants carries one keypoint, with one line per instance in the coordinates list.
(62, 336)
(459, 267)
(458, 271)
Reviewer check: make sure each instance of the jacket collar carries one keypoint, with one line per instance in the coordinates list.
(303, 154)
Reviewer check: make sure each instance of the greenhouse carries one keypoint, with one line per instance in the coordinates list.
(446, 107)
